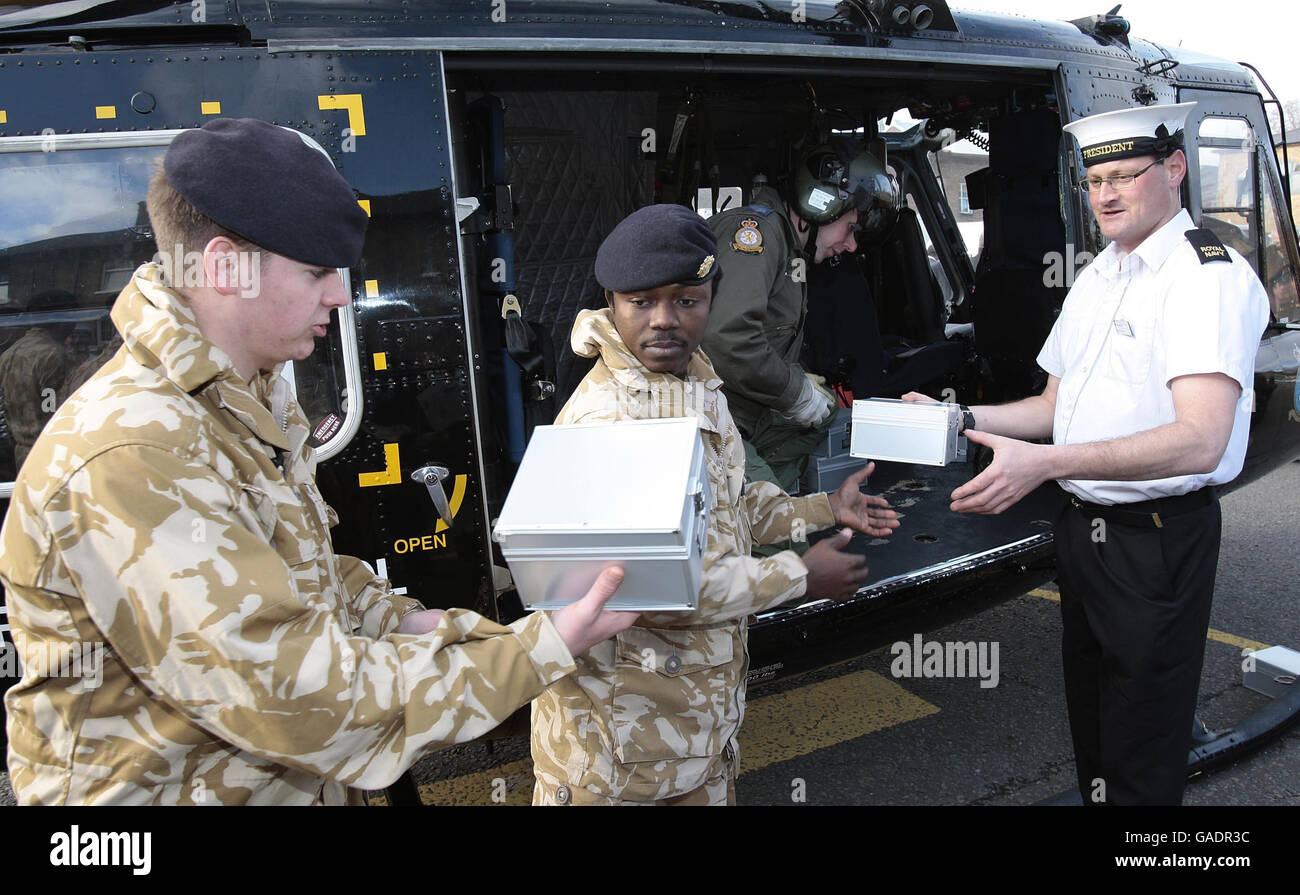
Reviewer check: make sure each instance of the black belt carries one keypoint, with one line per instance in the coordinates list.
(1147, 513)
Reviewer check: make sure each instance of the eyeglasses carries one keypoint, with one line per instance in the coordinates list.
(1116, 181)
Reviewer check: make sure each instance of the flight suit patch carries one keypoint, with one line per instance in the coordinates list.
(748, 238)
(1207, 245)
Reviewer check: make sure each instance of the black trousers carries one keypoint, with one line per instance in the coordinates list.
(1135, 606)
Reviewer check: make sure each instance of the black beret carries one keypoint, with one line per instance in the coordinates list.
(267, 185)
(658, 245)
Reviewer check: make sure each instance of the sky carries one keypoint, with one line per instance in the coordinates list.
(1265, 34)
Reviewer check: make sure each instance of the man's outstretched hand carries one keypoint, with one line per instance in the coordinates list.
(861, 512)
(1017, 469)
(833, 572)
(586, 623)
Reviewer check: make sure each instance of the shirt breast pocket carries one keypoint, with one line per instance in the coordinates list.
(1129, 345)
(287, 524)
(671, 693)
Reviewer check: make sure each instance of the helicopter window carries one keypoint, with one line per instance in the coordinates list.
(74, 220)
(941, 278)
(952, 164)
(1226, 157)
(1274, 270)
(74, 230)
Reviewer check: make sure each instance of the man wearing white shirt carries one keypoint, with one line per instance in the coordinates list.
(1150, 371)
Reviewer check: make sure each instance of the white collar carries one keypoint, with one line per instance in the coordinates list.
(1153, 251)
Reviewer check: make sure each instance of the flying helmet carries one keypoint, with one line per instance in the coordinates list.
(829, 181)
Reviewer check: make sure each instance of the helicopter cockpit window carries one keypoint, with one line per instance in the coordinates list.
(1226, 158)
(73, 232)
(1274, 269)
(953, 164)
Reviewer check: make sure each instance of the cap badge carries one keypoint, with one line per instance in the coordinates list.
(705, 266)
(748, 238)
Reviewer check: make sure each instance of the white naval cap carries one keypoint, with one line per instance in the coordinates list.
(1129, 133)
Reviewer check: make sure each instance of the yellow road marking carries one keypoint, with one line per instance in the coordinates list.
(391, 475)
(777, 728)
(787, 725)
(1234, 640)
(1211, 634)
(105, 111)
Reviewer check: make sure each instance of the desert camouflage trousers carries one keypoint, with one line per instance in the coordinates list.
(718, 790)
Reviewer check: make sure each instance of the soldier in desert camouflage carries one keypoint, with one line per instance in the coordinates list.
(169, 517)
(651, 717)
(32, 373)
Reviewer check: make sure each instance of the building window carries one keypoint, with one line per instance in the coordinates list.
(114, 276)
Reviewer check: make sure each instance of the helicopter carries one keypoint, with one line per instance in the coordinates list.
(494, 143)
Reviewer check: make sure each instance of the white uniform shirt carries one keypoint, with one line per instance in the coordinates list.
(1133, 323)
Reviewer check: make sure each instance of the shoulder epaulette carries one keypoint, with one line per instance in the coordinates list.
(1207, 245)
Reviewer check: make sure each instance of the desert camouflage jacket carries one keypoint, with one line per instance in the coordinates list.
(649, 714)
(186, 631)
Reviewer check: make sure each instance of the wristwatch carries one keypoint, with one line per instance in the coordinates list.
(967, 418)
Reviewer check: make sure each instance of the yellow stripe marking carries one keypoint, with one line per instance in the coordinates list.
(457, 498)
(391, 475)
(372, 288)
(365, 206)
(1211, 634)
(1234, 640)
(381, 360)
(210, 107)
(777, 728)
(351, 102)
(105, 111)
(786, 725)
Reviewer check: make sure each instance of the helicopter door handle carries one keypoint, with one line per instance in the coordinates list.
(432, 478)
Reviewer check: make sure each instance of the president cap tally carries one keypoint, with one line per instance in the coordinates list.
(1130, 133)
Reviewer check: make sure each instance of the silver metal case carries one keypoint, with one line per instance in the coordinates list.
(830, 464)
(633, 493)
(1276, 671)
(890, 429)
